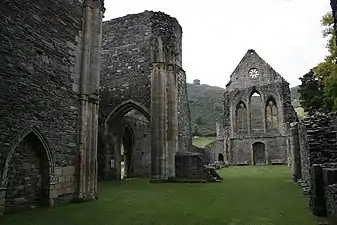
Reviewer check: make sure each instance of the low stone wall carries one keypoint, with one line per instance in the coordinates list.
(318, 146)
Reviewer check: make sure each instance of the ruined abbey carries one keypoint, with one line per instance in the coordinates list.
(84, 100)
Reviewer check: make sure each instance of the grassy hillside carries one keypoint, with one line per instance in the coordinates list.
(206, 106)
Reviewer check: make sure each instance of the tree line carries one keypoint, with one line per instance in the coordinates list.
(318, 90)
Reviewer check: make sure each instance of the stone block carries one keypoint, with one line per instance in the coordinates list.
(68, 170)
(58, 171)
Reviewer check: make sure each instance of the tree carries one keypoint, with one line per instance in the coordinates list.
(326, 71)
(319, 86)
(311, 93)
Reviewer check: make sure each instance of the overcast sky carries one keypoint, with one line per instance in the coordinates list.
(217, 33)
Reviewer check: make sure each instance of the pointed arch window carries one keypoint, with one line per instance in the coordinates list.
(256, 111)
(241, 117)
(271, 114)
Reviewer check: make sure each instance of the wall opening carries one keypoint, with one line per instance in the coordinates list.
(271, 115)
(256, 106)
(259, 153)
(28, 176)
(125, 146)
(220, 157)
(241, 118)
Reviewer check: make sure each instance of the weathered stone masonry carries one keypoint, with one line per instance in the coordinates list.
(321, 132)
(49, 79)
(141, 67)
(256, 130)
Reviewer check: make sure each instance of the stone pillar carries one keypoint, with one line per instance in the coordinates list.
(159, 124)
(267, 154)
(172, 119)
(295, 152)
(230, 157)
(248, 118)
(89, 75)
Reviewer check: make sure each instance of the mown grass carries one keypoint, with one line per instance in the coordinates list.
(202, 141)
(247, 196)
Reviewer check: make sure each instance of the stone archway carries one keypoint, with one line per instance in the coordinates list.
(27, 174)
(259, 153)
(220, 157)
(117, 143)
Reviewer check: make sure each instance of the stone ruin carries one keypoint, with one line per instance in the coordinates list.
(254, 129)
(85, 100)
(314, 161)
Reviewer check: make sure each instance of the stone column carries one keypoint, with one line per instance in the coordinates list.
(266, 154)
(295, 153)
(248, 118)
(159, 123)
(230, 156)
(89, 75)
(172, 119)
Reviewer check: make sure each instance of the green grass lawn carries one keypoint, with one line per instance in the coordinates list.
(202, 141)
(247, 196)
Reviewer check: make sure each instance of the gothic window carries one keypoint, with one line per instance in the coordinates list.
(271, 115)
(241, 117)
(256, 109)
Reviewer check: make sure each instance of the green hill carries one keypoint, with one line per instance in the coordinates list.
(206, 106)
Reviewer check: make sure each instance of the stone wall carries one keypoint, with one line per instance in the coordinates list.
(141, 149)
(322, 140)
(184, 115)
(275, 147)
(142, 70)
(37, 76)
(246, 119)
(41, 67)
(213, 150)
(320, 160)
(37, 73)
(126, 64)
(304, 153)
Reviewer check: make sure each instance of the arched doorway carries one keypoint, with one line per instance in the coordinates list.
(259, 153)
(121, 153)
(220, 157)
(127, 148)
(28, 175)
